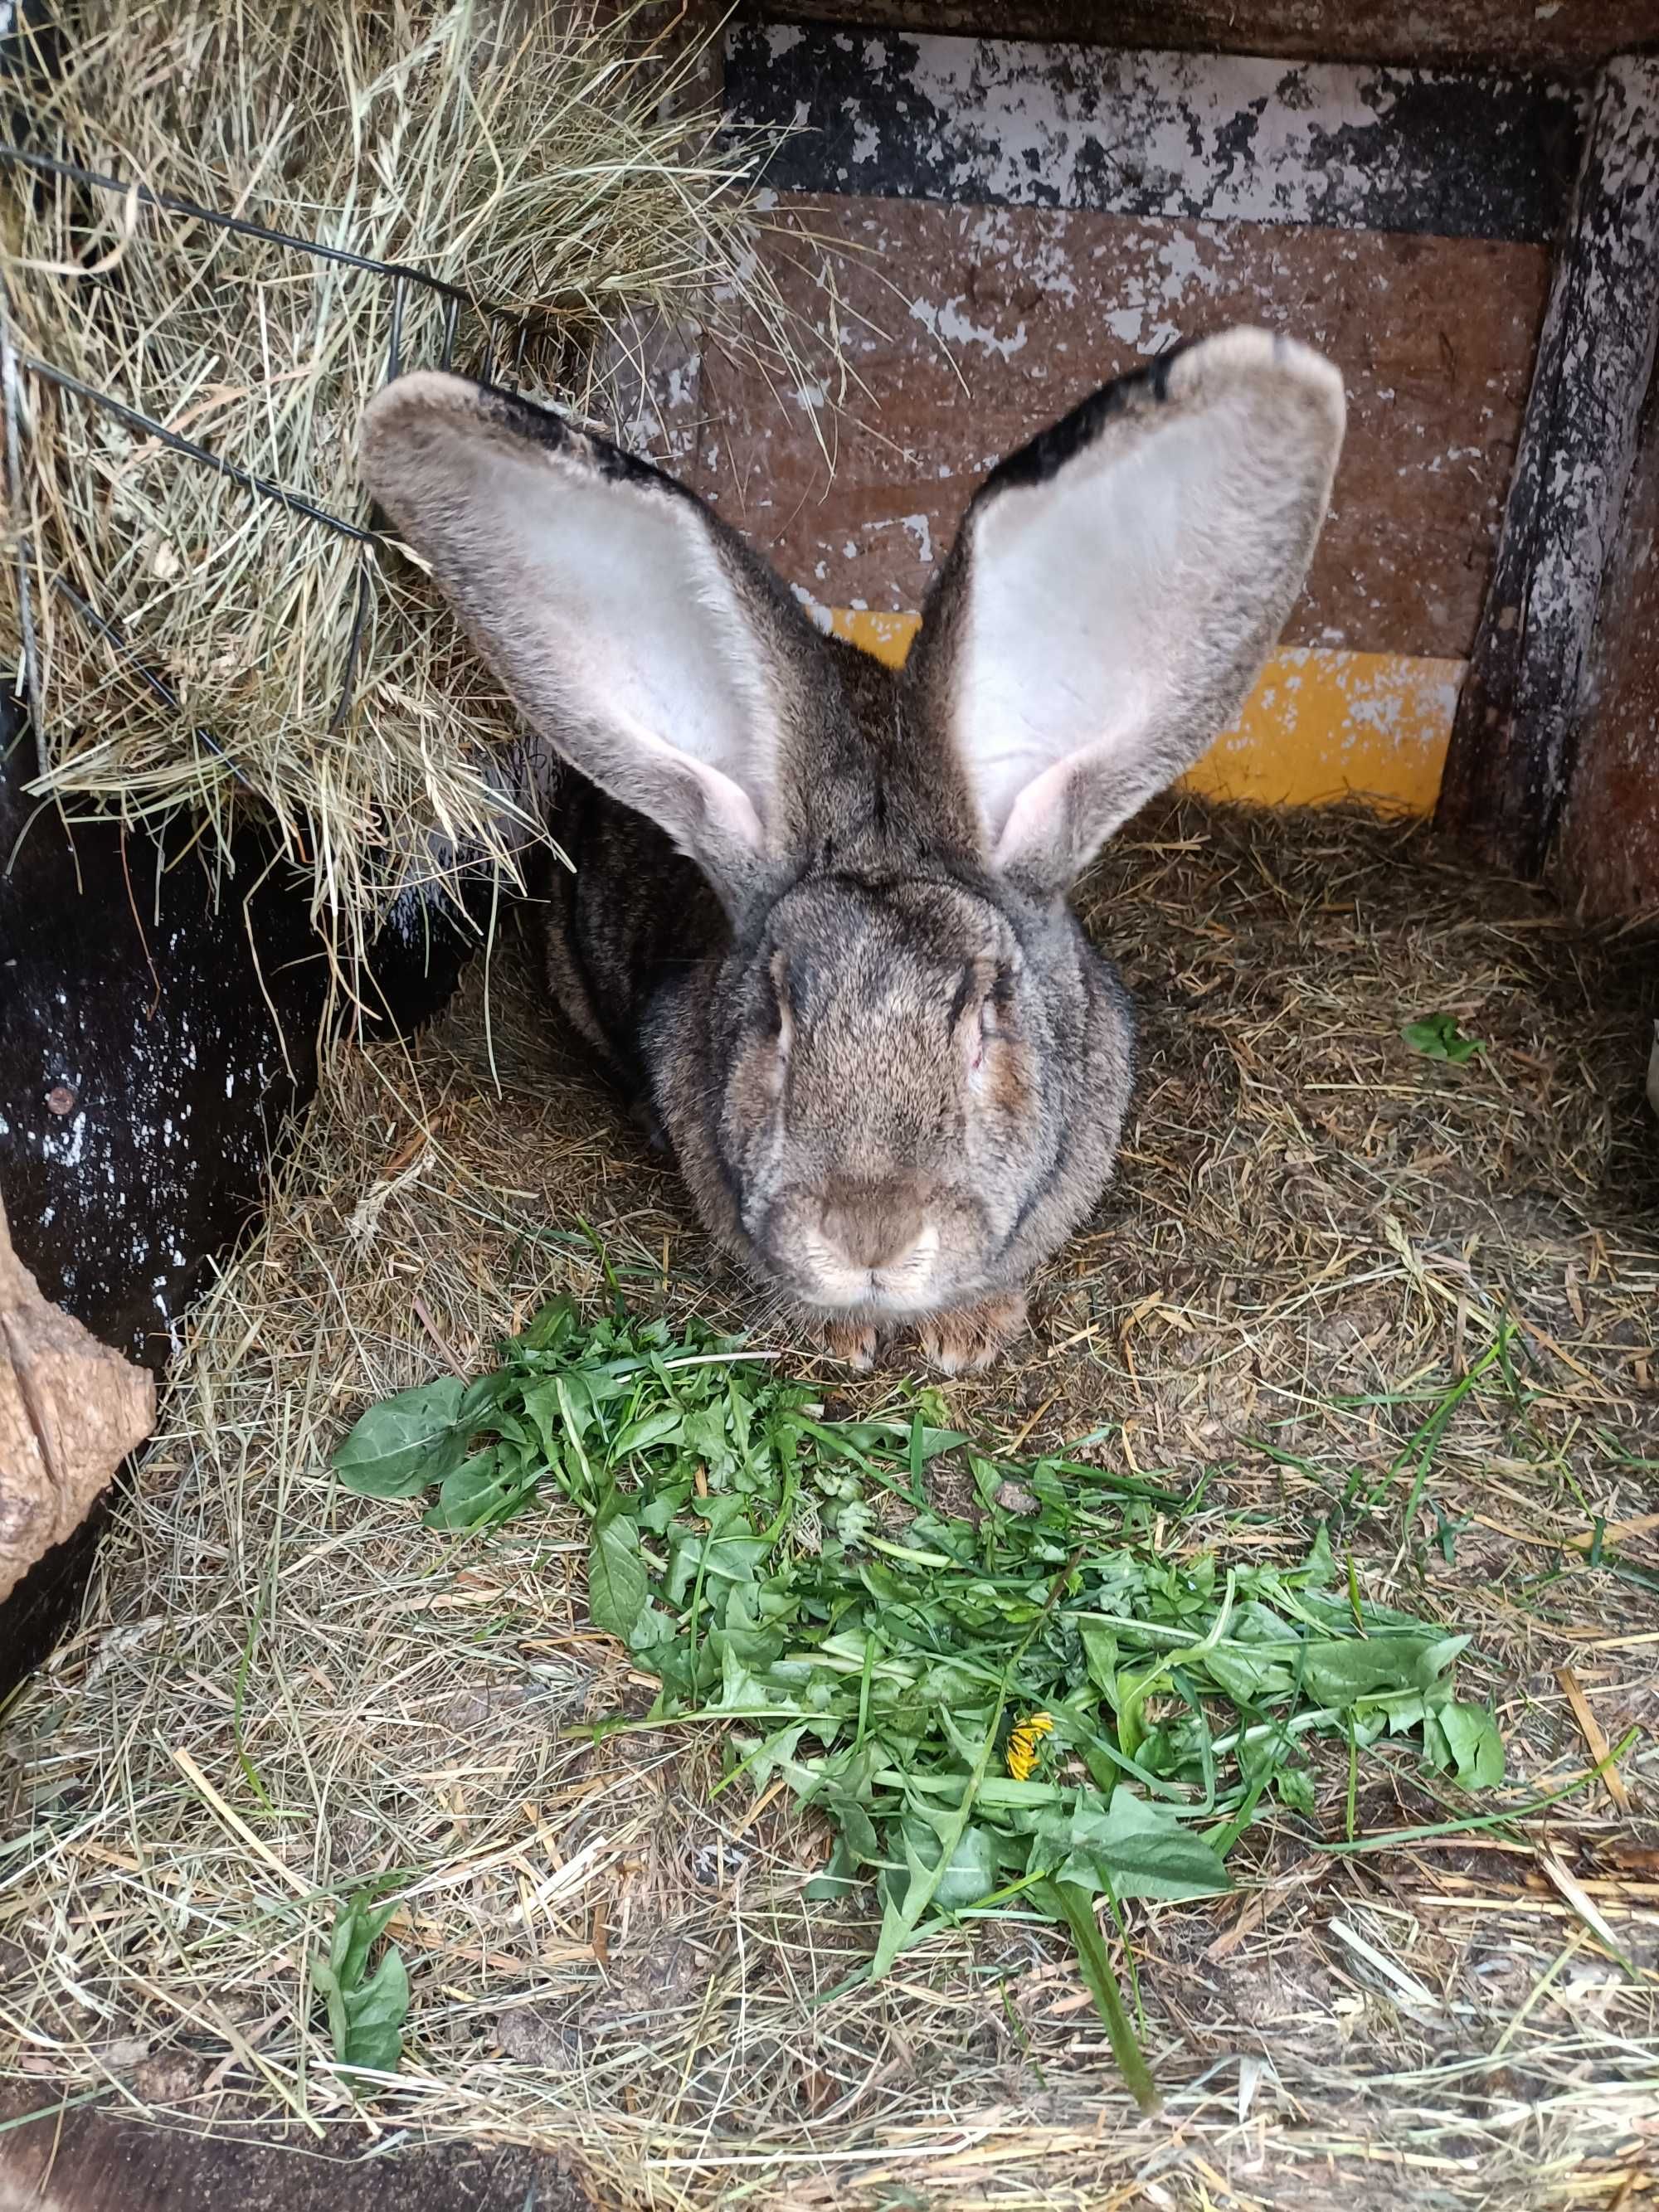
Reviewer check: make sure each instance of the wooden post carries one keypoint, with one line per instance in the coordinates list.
(1607, 851)
(1513, 742)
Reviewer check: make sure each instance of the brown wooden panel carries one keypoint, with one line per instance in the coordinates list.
(1517, 32)
(1610, 843)
(966, 329)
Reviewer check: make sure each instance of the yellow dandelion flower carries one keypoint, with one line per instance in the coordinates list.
(1023, 1742)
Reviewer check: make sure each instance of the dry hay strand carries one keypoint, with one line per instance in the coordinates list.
(196, 645)
(279, 1693)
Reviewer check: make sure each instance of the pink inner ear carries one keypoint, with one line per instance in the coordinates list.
(730, 804)
(726, 804)
(1036, 812)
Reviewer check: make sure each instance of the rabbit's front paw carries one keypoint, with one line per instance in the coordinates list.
(642, 1113)
(973, 1337)
(853, 1342)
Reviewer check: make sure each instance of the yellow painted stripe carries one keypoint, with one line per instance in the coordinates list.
(1321, 724)
(888, 636)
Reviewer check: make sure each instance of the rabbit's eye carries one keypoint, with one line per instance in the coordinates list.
(780, 1044)
(985, 1027)
(984, 1005)
(782, 1013)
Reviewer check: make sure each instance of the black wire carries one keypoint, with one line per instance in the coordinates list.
(244, 226)
(129, 652)
(249, 482)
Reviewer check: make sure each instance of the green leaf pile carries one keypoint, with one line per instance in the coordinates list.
(790, 1577)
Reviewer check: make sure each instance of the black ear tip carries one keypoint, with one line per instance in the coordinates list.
(420, 415)
(423, 390)
(404, 417)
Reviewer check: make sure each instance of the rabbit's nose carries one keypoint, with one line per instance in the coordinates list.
(872, 1225)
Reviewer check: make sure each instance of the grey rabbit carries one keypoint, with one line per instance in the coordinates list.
(818, 917)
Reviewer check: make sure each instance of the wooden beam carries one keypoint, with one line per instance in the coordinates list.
(1202, 138)
(1518, 33)
(1512, 745)
(69, 2156)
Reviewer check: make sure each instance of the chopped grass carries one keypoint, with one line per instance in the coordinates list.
(1004, 1709)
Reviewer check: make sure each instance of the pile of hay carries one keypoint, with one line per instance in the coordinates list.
(280, 1693)
(196, 644)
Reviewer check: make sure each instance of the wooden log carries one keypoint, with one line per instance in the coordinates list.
(1511, 755)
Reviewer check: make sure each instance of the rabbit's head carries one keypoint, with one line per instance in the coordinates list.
(901, 1081)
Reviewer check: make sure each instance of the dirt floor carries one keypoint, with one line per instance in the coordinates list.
(1316, 1235)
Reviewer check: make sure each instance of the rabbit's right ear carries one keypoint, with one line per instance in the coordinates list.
(632, 629)
(1117, 586)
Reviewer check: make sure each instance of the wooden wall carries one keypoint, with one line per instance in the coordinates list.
(968, 235)
(1523, 705)
(156, 1030)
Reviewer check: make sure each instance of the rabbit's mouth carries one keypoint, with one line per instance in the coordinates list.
(904, 1281)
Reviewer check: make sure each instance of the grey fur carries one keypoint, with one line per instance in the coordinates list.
(892, 1068)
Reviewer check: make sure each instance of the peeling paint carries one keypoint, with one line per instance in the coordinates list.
(1319, 726)
(948, 322)
(1435, 338)
(1014, 123)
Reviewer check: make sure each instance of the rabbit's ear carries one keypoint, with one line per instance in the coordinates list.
(632, 629)
(1116, 586)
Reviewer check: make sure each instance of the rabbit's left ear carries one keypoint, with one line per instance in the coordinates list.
(634, 631)
(1116, 586)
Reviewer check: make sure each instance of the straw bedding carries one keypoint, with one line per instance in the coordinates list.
(197, 645)
(279, 1693)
